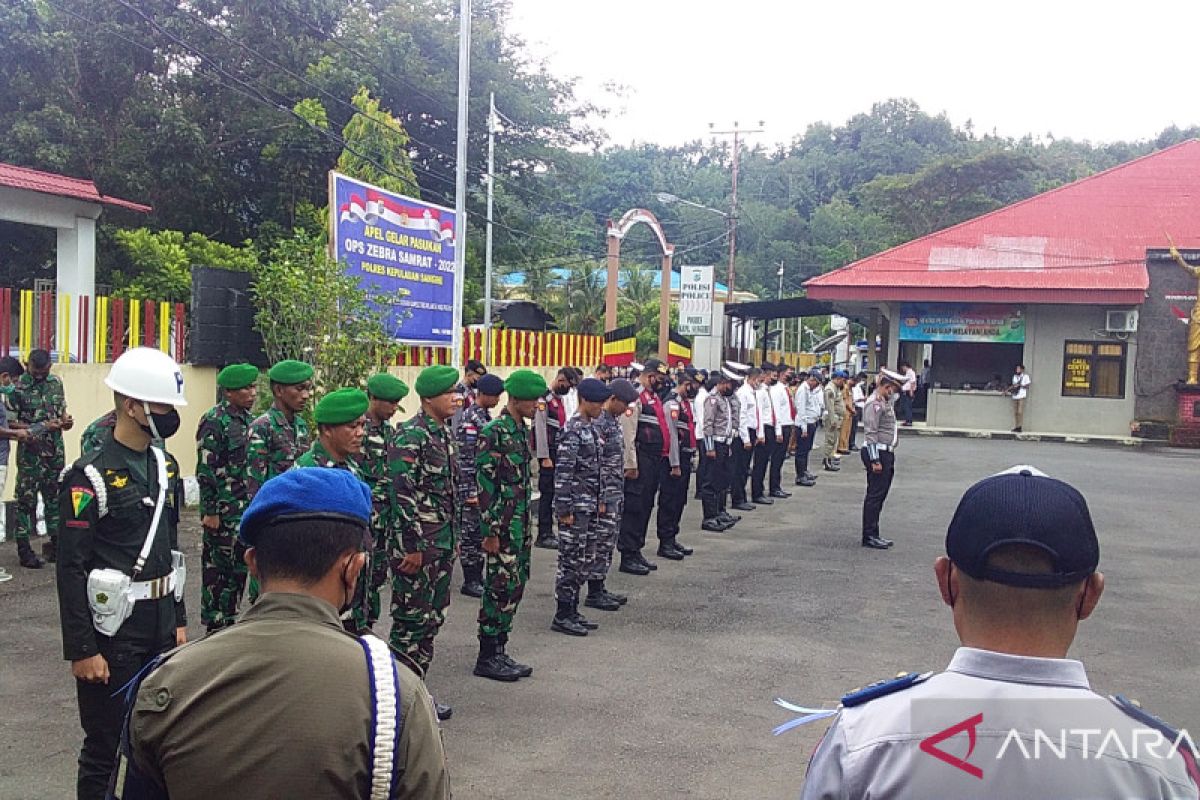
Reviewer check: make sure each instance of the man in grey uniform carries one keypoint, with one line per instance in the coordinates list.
(880, 435)
(1019, 575)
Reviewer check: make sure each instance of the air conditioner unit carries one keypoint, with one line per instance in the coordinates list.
(1125, 321)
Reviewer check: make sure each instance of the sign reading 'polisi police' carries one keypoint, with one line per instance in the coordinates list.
(695, 301)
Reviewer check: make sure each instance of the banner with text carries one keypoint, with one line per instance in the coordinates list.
(695, 301)
(399, 248)
(962, 322)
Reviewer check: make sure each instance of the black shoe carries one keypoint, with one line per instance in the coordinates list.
(810, 476)
(875, 543)
(632, 566)
(602, 602)
(50, 551)
(585, 622)
(830, 466)
(472, 588)
(888, 542)
(805, 481)
(549, 541)
(1016, 430)
(668, 551)
(732, 519)
(568, 626)
(781, 494)
(29, 559)
(619, 599)
(687, 551)
(762, 501)
(496, 668)
(444, 712)
(523, 670)
(714, 525)
(744, 507)
(650, 565)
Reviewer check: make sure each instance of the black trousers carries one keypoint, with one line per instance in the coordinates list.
(701, 468)
(741, 457)
(854, 429)
(878, 486)
(804, 446)
(716, 480)
(545, 519)
(762, 460)
(778, 454)
(672, 497)
(101, 715)
(639, 498)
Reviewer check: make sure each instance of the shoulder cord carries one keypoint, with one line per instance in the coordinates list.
(387, 717)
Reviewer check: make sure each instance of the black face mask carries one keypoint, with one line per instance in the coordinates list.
(561, 390)
(162, 426)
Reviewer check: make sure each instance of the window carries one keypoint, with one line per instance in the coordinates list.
(1094, 369)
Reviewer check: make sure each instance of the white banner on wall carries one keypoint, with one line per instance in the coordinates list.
(695, 301)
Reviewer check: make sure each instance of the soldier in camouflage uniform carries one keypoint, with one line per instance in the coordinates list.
(612, 493)
(280, 436)
(98, 433)
(385, 392)
(577, 502)
(221, 475)
(504, 470)
(41, 408)
(487, 394)
(422, 468)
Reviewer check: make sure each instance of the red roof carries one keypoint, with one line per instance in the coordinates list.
(61, 186)
(1084, 242)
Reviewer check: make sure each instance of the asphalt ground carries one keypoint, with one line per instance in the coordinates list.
(672, 697)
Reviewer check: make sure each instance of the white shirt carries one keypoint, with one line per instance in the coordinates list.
(1021, 382)
(910, 380)
(698, 403)
(750, 420)
(810, 404)
(571, 402)
(858, 396)
(766, 411)
(781, 405)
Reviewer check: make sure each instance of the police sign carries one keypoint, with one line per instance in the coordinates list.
(695, 301)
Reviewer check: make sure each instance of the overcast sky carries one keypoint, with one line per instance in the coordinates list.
(1095, 71)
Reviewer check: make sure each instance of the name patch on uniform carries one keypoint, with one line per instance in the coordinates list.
(81, 498)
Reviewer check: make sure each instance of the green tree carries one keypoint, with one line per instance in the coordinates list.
(159, 263)
(377, 148)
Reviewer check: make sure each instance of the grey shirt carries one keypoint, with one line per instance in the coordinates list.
(879, 425)
(879, 749)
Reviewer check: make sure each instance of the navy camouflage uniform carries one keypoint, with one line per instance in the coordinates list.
(470, 541)
(612, 492)
(372, 469)
(577, 482)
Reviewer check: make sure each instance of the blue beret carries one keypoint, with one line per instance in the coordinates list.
(307, 493)
(489, 384)
(594, 391)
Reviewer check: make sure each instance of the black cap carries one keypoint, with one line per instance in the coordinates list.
(594, 391)
(477, 367)
(1022, 506)
(654, 365)
(490, 385)
(623, 390)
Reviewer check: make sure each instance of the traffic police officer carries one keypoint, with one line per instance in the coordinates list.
(487, 395)
(1019, 575)
(286, 703)
(120, 572)
(649, 441)
(547, 423)
(880, 436)
(612, 493)
(221, 475)
(673, 494)
(717, 434)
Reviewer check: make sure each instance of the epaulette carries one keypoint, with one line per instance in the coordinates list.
(874, 691)
(1180, 740)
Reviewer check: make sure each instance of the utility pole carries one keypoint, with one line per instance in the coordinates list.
(733, 205)
(460, 183)
(491, 194)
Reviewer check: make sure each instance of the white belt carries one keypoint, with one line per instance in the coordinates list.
(883, 447)
(153, 590)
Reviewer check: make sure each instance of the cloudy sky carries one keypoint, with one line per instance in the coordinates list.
(1097, 71)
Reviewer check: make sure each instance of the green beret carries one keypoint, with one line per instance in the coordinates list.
(435, 380)
(387, 386)
(290, 372)
(237, 376)
(342, 406)
(525, 384)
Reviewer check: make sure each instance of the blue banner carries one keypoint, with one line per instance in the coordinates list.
(398, 247)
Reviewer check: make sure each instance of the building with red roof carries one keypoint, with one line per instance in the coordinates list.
(1075, 283)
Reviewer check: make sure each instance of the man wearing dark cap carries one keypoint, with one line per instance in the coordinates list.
(717, 434)
(385, 391)
(577, 502)
(281, 435)
(465, 389)
(880, 436)
(286, 703)
(673, 494)
(422, 469)
(504, 474)
(487, 395)
(549, 421)
(612, 493)
(648, 436)
(221, 474)
(1019, 575)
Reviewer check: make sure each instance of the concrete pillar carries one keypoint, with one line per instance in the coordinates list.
(77, 272)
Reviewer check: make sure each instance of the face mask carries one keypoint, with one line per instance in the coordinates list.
(162, 426)
(561, 390)
(7, 389)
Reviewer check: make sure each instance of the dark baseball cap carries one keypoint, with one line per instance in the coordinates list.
(1024, 506)
(623, 390)
(654, 365)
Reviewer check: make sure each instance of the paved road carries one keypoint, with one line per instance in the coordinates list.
(672, 697)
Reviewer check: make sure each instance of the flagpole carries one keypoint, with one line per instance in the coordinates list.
(460, 180)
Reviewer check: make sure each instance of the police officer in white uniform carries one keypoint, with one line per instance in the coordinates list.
(1020, 575)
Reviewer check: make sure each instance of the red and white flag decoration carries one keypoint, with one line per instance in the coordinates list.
(377, 207)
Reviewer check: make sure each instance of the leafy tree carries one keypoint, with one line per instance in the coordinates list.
(160, 262)
(377, 148)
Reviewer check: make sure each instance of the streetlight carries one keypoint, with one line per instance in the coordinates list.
(666, 198)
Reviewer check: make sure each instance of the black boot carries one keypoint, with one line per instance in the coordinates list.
(632, 565)
(546, 539)
(668, 550)
(50, 550)
(599, 599)
(564, 621)
(523, 670)
(472, 580)
(875, 543)
(489, 664)
(29, 559)
(687, 551)
(444, 712)
(581, 619)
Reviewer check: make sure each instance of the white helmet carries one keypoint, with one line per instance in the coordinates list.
(149, 375)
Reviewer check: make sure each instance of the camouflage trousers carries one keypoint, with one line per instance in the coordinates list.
(505, 576)
(576, 552)
(608, 527)
(357, 619)
(470, 540)
(419, 604)
(223, 575)
(379, 575)
(32, 480)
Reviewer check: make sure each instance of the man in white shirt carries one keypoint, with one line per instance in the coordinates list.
(908, 392)
(781, 406)
(1019, 391)
(810, 405)
(750, 437)
(859, 397)
(701, 398)
(765, 446)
